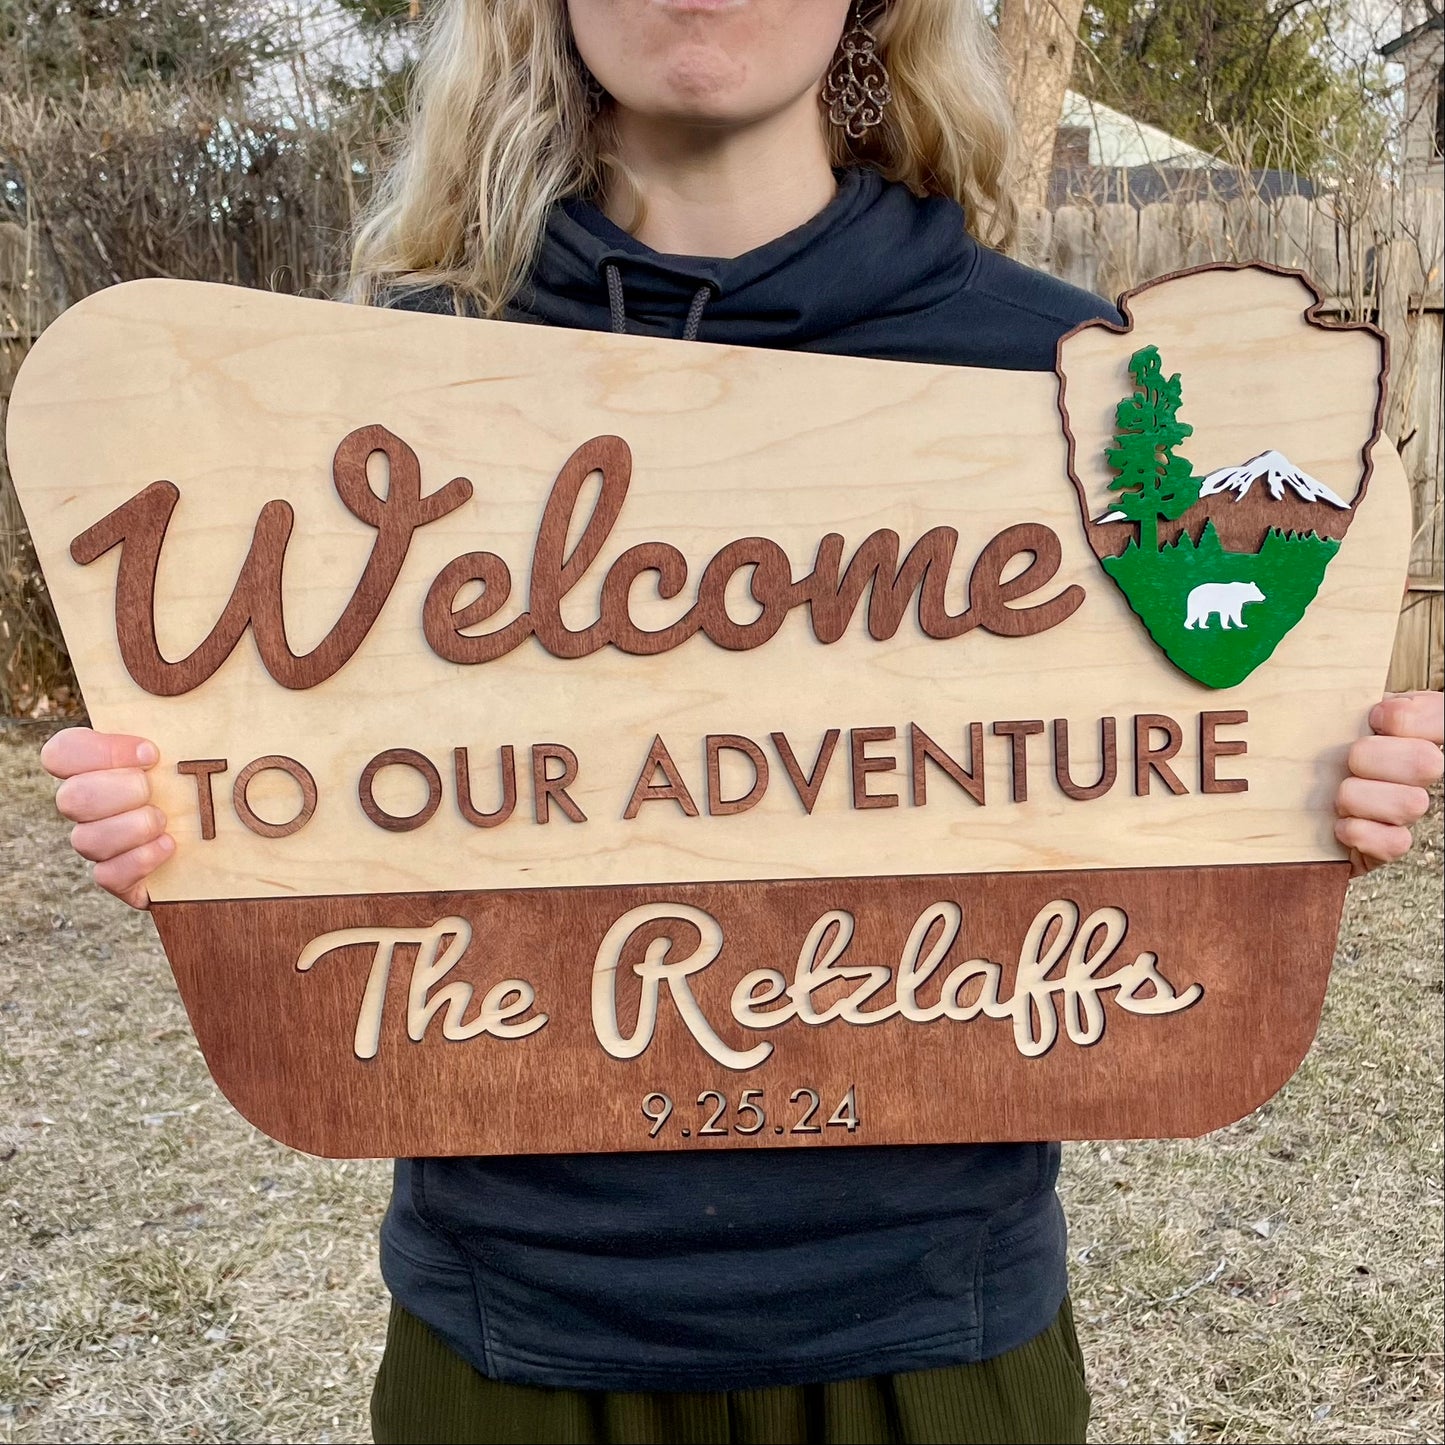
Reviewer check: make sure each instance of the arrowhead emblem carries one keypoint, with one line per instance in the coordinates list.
(1218, 564)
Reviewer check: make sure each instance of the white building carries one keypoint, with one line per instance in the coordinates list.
(1117, 140)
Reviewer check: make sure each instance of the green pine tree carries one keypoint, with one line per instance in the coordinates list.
(1151, 480)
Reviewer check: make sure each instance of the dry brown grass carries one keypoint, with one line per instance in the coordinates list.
(1281, 1280)
(169, 1274)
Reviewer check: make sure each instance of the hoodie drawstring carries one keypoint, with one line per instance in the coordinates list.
(614, 299)
(694, 313)
(616, 305)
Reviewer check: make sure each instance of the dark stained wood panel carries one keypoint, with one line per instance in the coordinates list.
(286, 1048)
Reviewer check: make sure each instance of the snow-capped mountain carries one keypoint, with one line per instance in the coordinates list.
(1279, 475)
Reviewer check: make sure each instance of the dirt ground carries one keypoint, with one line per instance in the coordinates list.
(167, 1273)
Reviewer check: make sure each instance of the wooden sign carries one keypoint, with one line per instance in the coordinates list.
(579, 742)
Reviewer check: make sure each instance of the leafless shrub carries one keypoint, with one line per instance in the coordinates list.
(121, 184)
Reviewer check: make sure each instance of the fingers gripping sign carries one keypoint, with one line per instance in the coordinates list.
(1391, 772)
(105, 791)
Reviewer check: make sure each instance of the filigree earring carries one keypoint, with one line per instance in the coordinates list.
(593, 95)
(857, 88)
(594, 92)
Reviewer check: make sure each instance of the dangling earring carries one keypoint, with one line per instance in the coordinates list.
(593, 95)
(592, 90)
(857, 89)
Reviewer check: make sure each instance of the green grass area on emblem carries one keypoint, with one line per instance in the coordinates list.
(1198, 600)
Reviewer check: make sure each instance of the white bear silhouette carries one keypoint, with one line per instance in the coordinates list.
(1223, 599)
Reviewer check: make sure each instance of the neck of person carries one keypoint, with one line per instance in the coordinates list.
(720, 190)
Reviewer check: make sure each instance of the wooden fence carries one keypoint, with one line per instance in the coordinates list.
(1379, 261)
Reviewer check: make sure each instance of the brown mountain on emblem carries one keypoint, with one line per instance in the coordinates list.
(1266, 492)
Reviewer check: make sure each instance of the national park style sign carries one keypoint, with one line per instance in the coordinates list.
(580, 742)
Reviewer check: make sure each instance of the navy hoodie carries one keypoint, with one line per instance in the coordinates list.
(755, 1267)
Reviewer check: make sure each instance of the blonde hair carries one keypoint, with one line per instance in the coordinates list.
(501, 128)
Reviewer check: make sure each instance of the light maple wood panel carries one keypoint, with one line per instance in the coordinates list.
(239, 397)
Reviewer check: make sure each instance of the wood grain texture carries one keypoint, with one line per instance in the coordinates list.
(203, 770)
(287, 1046)
(1212, 747)
(1108, 760)
(252, 420)
(241, 796)
(424, 768)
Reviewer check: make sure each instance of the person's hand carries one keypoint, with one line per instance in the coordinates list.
(105, 792)
(1389, 775)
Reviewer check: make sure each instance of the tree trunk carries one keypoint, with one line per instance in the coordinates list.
(1037, 39)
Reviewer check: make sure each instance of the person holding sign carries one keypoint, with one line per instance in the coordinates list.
(825, 177)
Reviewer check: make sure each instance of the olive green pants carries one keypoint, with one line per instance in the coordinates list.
(426, 1394)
